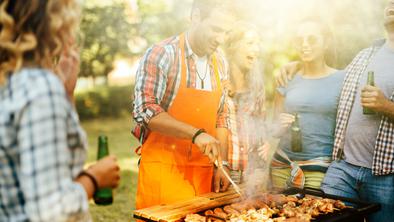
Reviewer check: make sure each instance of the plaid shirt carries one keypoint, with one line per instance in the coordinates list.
(383, 160)
(158, 80)
(42, 149)
(246, 119)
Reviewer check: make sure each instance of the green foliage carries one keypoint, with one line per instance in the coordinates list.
(106, 32)
(104, 102)
(161, 19)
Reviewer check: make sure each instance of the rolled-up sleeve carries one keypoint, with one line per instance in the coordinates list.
(46, 174)
(151, 84)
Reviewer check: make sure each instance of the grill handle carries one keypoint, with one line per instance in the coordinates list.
(305, 190)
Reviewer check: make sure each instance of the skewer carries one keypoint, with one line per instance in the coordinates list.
(219, 165)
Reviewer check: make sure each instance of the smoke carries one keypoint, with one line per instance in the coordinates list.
(256, 131)
(257, 176)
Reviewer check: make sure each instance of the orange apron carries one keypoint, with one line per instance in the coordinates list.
(173, 169)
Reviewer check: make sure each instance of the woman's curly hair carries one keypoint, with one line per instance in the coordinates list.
(35, 31)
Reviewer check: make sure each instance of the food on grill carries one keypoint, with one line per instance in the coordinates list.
(229, 210)
(220, 213)
(272, 208)
(209, 212)
(195, 218)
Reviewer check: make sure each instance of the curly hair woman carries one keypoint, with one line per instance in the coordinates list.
(245, 98)
(42, 145)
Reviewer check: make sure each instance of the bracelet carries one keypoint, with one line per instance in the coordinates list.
(92, 178)
(197, 133)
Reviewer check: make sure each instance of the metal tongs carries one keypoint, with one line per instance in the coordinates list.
(219, 165)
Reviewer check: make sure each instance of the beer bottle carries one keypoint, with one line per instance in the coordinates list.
(296, 136)
(103, 196)
(370, 82)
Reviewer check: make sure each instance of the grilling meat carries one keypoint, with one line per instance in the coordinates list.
(195, 218)
(220, 213)
(272, 208)
(209, 212)
(231, 211)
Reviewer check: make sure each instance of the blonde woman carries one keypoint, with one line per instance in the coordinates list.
(245, 98)
(42, 145)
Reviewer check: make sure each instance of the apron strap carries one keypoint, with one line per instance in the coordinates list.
(216, 70)
(182, 43)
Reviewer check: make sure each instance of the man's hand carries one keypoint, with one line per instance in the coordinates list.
(373, 98)
(208, 145)
(220, 181)
(286, 73)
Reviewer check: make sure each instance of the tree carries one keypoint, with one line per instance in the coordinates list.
(106, 32)
(161, 19)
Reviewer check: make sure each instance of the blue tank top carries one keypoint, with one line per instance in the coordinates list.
(315, 101)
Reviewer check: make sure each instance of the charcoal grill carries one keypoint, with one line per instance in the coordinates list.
(179, 210)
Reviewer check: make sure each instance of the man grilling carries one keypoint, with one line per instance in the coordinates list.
(178, 95)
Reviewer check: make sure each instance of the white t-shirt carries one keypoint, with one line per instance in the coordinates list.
(203, 73)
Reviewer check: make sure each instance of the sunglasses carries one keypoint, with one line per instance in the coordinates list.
(311, 40)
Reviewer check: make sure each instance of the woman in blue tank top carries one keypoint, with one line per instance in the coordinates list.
(313, 95)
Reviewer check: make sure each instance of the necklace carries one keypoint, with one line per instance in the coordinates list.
(200, 76)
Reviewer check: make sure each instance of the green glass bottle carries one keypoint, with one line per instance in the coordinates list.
(103, 196)
(370, 82)
(296, 136)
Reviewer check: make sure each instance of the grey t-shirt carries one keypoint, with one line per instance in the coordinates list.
(362, 130)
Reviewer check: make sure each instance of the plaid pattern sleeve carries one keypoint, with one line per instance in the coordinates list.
(44, 152)
(151, 83)
(158, 80)
(223, 112)
(383, 159)
(350, 85)
(236, 157)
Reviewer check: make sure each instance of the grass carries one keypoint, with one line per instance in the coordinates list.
(121, 144)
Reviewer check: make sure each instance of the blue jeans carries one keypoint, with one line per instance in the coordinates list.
(347, 180)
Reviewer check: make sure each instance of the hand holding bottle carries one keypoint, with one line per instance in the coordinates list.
(373, 100)
(106, 171)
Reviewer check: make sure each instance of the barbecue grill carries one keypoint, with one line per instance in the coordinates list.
(178, 211)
